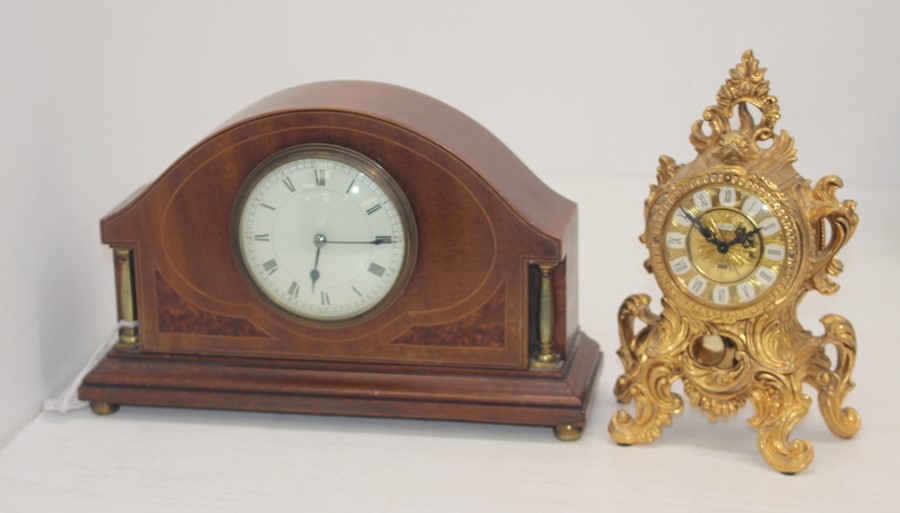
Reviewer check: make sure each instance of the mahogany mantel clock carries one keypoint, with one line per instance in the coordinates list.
(350, 248)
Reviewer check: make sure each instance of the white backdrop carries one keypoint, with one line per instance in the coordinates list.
(99, 97)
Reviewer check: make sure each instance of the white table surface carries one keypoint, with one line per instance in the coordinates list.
(157, 459)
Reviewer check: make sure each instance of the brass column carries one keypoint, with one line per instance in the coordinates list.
(128, 332)
(546, 357)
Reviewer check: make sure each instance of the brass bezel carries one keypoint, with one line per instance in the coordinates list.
(361, 163)
(736, 176)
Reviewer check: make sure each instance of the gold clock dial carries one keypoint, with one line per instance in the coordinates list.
(724, 245)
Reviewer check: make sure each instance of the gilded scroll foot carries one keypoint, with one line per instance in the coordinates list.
(780, 404)
(654, 404)
(667, 349)
(104, 408)
(568, 432)
(647, 381)
(832, 381)
(843, 422)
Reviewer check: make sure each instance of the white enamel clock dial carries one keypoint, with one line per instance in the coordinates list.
(325, 233)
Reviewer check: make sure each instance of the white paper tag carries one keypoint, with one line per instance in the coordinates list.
(68, 399)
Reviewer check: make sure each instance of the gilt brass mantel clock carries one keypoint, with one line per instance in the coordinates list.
(350, 248)
(736, 238)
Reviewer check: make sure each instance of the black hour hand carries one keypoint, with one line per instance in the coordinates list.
(743, 237)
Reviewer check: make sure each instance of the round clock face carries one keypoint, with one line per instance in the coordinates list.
(724, 245)
(325, 233)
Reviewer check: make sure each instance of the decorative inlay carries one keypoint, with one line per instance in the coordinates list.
(176, 315)
(484, 328)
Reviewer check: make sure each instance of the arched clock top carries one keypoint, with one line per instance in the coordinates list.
(426, 118)
(350, 248)
(482, 219)
(436, 121)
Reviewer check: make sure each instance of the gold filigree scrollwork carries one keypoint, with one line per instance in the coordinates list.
(834, 223)
(771, 340)
(636, 306)
(771, 359)
(832, 381)
(745, 85)
(647, 381)
(720, 389)
(664, 173)
(666, 170)
(780, 404)
(759, 353)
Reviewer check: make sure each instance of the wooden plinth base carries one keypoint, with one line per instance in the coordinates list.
(559, 397)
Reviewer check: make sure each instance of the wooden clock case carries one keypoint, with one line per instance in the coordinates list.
(458, 342)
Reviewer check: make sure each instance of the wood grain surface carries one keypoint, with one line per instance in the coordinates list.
(484, 222)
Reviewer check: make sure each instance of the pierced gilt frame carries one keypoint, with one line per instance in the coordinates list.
(770, 356)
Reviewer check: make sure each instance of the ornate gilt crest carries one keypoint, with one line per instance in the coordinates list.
(732, 275)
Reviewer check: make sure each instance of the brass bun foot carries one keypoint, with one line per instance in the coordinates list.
(568, 432)
(103, 408)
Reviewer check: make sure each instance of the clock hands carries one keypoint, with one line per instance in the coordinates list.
(743, 237)
(376, 241)
(707, 233)
(319, 241)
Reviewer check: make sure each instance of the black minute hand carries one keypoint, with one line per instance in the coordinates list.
(707, 234)
(376, 241)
